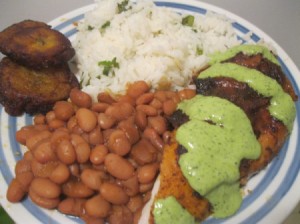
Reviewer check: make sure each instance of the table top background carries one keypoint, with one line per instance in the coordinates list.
(278, 18)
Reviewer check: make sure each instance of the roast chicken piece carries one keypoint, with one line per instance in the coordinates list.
(271, 133)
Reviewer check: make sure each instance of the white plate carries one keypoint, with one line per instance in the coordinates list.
(274, 192)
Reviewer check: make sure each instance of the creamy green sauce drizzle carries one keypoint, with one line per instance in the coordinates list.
(246, 49)
(217, 137)
(282, 106)
(168, 210)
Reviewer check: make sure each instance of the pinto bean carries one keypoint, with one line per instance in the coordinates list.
(145, 98)
(58, 135)
(95, 137)
(98, 154)
(72, 206)
(15, 192)
(63, 110)
(92, 178)
(72, 124)
(24, 133)
(158, 123)
(169, 107)
(171, 95)
(48, 203)
(141, 119)
(105, 98)
(154, 138)
(148, 110)
(86, 119)
(50, 116)
(119, 143)
(77, 139)
(146, 187)
(99, 107)
(161, 95)
(147, 173)
(144, 152)
(41, 127)
(92, 220)
(131, 185)
(55, 124)
(130, 129)
(75, 169)
(80, 98)
(156, 104)
(22, 166)
(113, 193)
(118, 167)
(186, 94)
(76, 189)
(135, 203)
(28, 156)
(25, 179)
(43, 152)
(120, 214)
(107, 133)
(39, 119)
(105, 121)
(45, 188)
(120, 111)
(83, 151)
(137, 88)
(66, 152)
(33, 141)
(97, 206)
(60, 174)
(176, 99)
(126, 99)
(43, 170)
(137, 215)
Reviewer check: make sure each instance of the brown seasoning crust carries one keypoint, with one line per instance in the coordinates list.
(173, 183)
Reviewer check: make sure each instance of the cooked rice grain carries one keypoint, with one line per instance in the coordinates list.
(147, 43)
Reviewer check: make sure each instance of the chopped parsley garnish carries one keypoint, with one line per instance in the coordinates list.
(188, 20)
(90, 27)
(108, 65)
(105, 25)
(199, 51)
(123, 6)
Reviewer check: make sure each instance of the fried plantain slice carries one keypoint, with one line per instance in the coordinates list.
(34, 44)
(33, 91)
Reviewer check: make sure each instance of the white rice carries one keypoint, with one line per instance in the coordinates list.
(148, 42)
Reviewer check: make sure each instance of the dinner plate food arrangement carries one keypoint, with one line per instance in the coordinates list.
(268, 197)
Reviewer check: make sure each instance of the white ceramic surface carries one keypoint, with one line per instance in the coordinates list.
(274, 191)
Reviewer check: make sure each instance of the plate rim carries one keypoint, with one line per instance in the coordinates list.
(283, 55)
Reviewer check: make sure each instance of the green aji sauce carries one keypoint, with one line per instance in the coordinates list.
(246, 49)
(217, 137)
(282, 106)
(168, 210)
